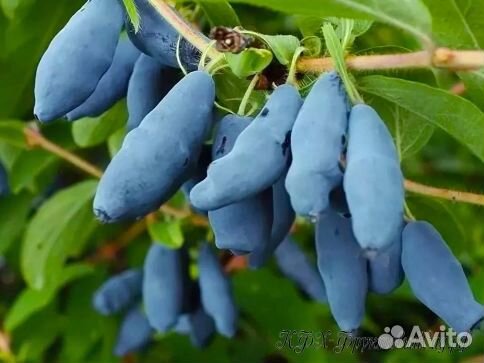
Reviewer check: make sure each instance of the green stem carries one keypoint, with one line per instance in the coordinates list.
(203, 58)
(398, 136)
(291, 77)
(348, 25)
(36, 139)
(408, 212)
(220, 107)
(248, 93)
(211, 65)
(178, 58)
(337, 53)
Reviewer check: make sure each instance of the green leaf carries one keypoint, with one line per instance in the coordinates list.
(93, 131)
(474, 82)
(115, 141)
(472, 10)
(34, 343)
(28, 166)
(410, 15)
(412, 133)
(337, 52)
(313, 46)
(249, 62)
(11, 132)
(361, 26)
(31, 301)
(85, 327)
(9, 7)
(453, 22)
(348, 30)
(309, 25)
(60, 225)
(22, 49)
(458, 24)
(167, 233)
(14, 210)
(9, 154)
(455, 115)
(219, 13)
(283, 46)
(477, 282)
(231, 89)
(442, 217)
(132, 12)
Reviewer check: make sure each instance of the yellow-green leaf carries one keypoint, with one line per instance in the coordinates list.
(249, 62)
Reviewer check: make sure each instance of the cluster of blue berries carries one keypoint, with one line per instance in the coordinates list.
(163, 297)
(319, 158)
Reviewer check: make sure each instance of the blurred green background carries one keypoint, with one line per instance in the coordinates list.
(57, 324)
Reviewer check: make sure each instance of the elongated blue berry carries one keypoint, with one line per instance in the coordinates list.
(317, 142)
(149, 83)
(164, 286)
(437, 278)
(119, 292)
(158, 39)
(198, 325)
(112, 86)
(373, 181)
(343, 269)
(159, 155)
(135, 333)
(198, 175)
(385, 269)
(258, 159)
(216, 292)
(282, 222)
(77, 58)
(295, 265)
(240, 226)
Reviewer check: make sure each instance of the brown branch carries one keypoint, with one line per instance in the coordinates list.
(5, 343)
(458, 89)
(193, 36)
(35, 139)
(107, 252)
(110, 251)
(174, 212)
(235, 263)
(448, 194)
(458, 60)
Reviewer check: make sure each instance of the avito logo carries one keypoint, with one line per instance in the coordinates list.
(395, 338)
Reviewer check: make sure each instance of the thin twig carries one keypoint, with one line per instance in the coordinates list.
(5, 343)
(458, 89)
(236, 263)
(109, 252)
(448, 194)
(193, 36)
(174, 212)
(35, 139)
(458, 60)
